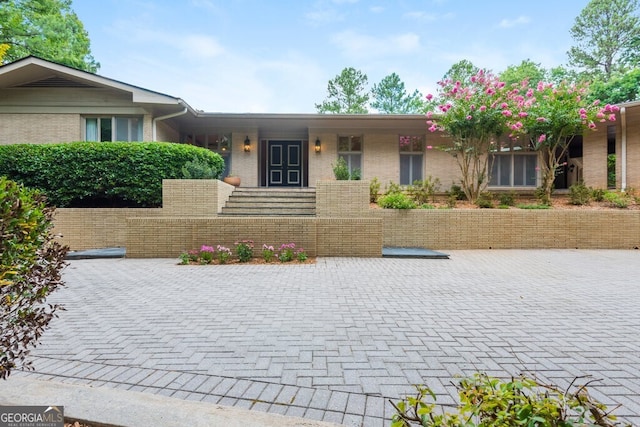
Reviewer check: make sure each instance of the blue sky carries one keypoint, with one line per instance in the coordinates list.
(272, 56)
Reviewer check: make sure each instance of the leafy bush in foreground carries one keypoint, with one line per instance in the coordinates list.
(30, 265)
(489, 402)
(99, 173)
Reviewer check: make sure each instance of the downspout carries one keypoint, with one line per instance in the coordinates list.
(168, 116)
(623, 149)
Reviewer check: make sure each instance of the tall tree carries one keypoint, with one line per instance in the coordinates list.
(527, 70)
(619, 88)
(347, 93)
(606, 33)
(49, 29)
(461, 71)
(391, 97)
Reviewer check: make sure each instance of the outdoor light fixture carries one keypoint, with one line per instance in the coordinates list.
(317, 145)
(247, 145)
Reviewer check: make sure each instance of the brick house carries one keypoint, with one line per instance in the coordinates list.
(45, 102)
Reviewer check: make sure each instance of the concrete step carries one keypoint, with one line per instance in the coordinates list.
(271, 202)
(259, 211)
(242, 203)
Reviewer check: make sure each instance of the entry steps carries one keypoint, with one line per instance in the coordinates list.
(247, 201)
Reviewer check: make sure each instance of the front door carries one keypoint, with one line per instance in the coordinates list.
(284, 160)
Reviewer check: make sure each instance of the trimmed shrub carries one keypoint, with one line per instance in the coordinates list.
(88, 174)
(579, 194)
(374, 190)
(485, 200)
(30, 266)
(618, 200)
(507, 199)
(396, 201)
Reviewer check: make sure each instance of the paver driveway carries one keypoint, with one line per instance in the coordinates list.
(332, 340)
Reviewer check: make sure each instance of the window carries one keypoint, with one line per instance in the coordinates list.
(113, 129)
(411, 158)
(514, 170)
(350, 149)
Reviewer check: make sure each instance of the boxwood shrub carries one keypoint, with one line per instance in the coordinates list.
(99, 174)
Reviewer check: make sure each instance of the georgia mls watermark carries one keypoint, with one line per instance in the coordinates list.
(31, 416)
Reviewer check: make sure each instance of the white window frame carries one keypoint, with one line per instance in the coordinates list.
(411, 154)
(512, 155)
(349, 156)
(114, 127)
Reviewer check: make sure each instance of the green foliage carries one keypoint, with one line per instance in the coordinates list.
(347, 94)
(456, 191)
(533, 206)
(49, 29)
(611, 171)
(490, 402)
(485, 200)
(542, 196)
(597, 194)
(392, 188)
(391, 97)
(619, 88)
(507, 199)
(579, 194)
(30, 270)
(527, 70)
(199, 169)
(101, 173)
(424, 191)
(244, 250)
(606, 33)
(341, 170)
(396, 201)
(374, 190)
(618, 200)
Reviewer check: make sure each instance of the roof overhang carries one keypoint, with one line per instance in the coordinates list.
(31, 70)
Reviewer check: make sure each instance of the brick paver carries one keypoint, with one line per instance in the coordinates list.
(334, 340)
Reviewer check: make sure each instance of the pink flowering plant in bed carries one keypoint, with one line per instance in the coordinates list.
(476, 112)
(219, 254)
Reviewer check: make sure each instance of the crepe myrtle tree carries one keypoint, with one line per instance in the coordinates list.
(550, 116)
(471, 112)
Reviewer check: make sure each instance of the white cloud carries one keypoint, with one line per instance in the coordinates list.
(361, 45)
(421, 16)
(198, 46)
(376, 9)
(520, 20)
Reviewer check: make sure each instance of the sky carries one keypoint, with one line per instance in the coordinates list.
(277, 56)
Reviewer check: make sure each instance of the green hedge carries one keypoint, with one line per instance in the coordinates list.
(89, 174)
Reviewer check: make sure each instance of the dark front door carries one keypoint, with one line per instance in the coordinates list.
(284, 160)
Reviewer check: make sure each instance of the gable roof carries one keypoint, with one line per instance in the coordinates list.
(32, 71)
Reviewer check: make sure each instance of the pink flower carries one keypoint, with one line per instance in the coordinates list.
(429, 114)
(429, 97)
(582, 111)
(596, 102)
(541, 119)
(507, 113)
(537, 168)
(429, 122)
(469, 117)
(483, 108)
(433, 128)
(523, 114)
(612, 117)
(600, 115)
(542, 138)
(592, 125)
(529, 93)
(429, 147)
(504, 105)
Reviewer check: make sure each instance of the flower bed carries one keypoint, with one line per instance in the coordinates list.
(243, 253)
